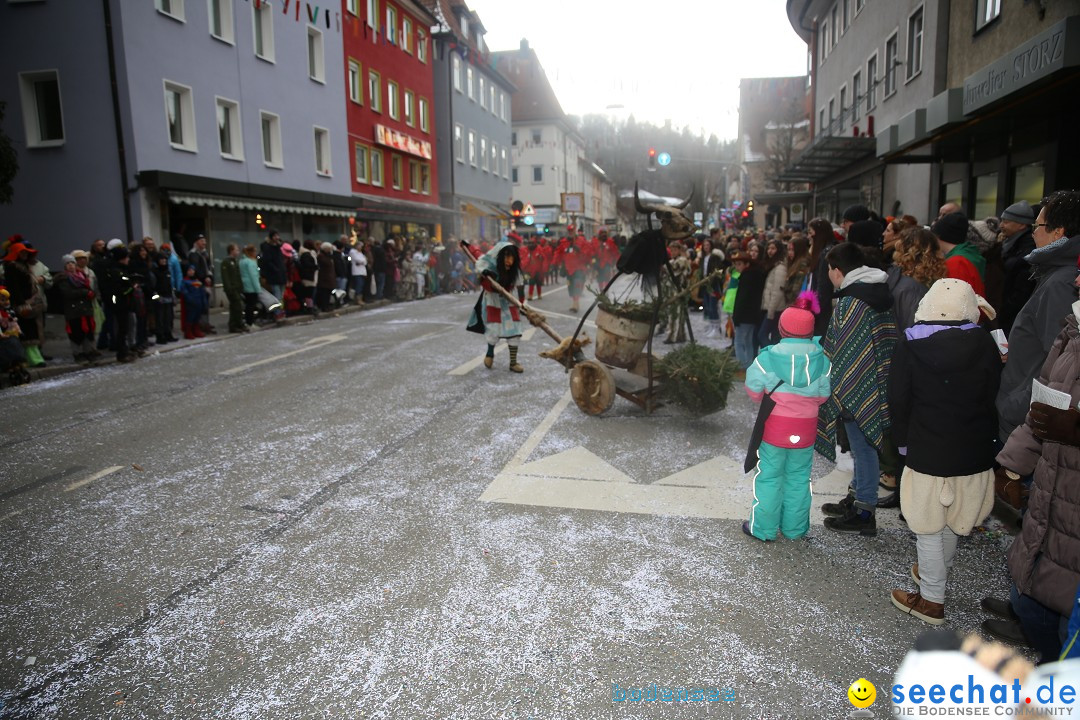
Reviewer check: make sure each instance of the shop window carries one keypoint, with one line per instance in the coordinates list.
(1028, 181)
(986, 191)
(43, 116)
(954, 193)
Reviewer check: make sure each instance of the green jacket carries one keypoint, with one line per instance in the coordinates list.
(969, 251)
(230, 278)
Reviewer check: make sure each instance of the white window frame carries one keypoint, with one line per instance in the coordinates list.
(355, 80)
(393, 107)
(986, 12)
(363, 168)
(502, 105)
(322, 152)
(845, 20)
(425, 178)
(372, 12)
(823, 39)
(859, 5)
(374, 98)
(236, 135)
(484, 164)
(277, 160)
(408, 106)
(842, 96)
(890, 67)
(514, 175)
(421, 46)
(175, 11)
(316, 55)
(491, 100)
(378, 168)
(224, 18)
(390, 30)
(856, 100)
(469, 90)
(423, 114)
(834, 20)
(262, 19)
(187, 116)
(32, 114)
(352, 7)
(459, 142)
(872, 82)
(483, 92)
(472, 147)
(915, 37)
(541, 169)
(536, 136)
(397, 183)
(494, 147)
(414, 176)
(455, 70)
(407, 37)
(504, 162)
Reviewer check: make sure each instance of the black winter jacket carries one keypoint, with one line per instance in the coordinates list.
(1018, 284)
(748, 298)
(941, 397)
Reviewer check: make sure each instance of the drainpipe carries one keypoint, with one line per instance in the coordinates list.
(120, 149)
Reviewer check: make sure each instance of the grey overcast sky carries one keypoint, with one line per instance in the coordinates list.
(665, 59)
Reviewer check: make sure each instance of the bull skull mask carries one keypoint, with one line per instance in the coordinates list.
(675, 224)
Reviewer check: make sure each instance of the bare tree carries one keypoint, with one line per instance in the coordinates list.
(786, 136)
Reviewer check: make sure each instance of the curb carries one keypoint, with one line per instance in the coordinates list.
(57, 370)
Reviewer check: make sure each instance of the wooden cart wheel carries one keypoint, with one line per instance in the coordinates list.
(592, 386)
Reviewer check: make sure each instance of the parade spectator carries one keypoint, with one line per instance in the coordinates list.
(942, 383)
(307, 264)
(141, 306)
(962, 260)
(859, 343)
(795, 373)
(917, 265)
(378, 267)
(853, 214)
(12, 352)
(712, 268)
(195, 301)
(341, 263)
(326, 282)
(947, 209)
(199, 257)
(272, 264)
(798, 268)
(393, 269)
(772, 297)
(822, 240)
(1017, 243)
(233, 285)
(117, 287)
(249, 278)
(419, 268)
(747, 314)
(893, 229)
(1044, 560)
(164, 297)
(1057, 246)
(27, 299)
(675, 310)
(358, 272)
(44, 280)
(82, 261)
(78, 311)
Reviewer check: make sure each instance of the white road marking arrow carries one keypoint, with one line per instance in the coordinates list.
(313, 344)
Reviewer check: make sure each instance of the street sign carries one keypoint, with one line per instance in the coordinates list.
(529, 220)
(699, 218)
(664, 159)
(573, 203)
(528, 209)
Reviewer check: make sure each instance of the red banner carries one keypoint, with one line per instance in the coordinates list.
(401, 141)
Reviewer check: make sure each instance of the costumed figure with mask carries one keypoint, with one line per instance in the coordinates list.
(494, 316)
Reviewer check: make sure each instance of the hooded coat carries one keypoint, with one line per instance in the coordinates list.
(1044, 560)
(501, 319)
(1018, 283)
(802, 367)
(1035, 328)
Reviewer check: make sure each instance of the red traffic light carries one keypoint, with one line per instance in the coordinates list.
(652, 152)
(745, 214)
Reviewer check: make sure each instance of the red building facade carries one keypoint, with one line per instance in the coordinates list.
(390, 105)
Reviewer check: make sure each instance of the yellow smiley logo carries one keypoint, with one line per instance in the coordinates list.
(862, 693)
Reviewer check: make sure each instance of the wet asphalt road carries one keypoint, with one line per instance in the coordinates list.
(290, 525)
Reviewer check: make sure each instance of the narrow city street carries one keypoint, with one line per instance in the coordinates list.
(354, 518)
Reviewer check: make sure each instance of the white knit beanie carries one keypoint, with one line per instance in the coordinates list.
(952, 300)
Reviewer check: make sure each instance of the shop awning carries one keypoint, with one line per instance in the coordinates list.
(236, 203)
(782, 198)
(392, 208)
(481, 208)
(829, 154)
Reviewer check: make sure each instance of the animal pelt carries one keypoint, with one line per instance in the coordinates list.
(563, 352)
(645, 254)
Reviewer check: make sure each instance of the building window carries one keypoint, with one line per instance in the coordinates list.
(356, 87)
(459, 142)
(502, 105)
(395, 171)
(271, 140)
(372, 12)
(322, 151)
(844, 16)
(538, 174)
(363, 175)
(513, 138)
(832, 115)
(483, 92)
(375, 91)
(469, 82)
(834, 22)
(505, 161)
(1028, 183)
(843, 106)
(353, 6)
(406, 35)
(263, 19)
(491, 100)
(859, 6)
(228, 121)
(423, 112)
(316, 61)
(484, 165)
(472, 148)
(421, 46)
(821, 122)
(856, 95)
(514, 175)
(464, 26)
(180, 114)
(414, 176)
(890, 65)
(409, 101)
(425, 178)
(455, 70)
(986, 12)
(172, 8)
(43, 115)
(537, 136)
(221, 20)
(871, 83)
(494, 159)
(914, 43)
(391, 24)
(823, 39)
(986, 193)
(392, 100)
(376, 168)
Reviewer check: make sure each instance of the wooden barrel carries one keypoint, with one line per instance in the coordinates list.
(619, 341)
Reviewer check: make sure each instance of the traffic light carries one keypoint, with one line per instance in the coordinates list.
(259, 221)
(652, 158)
(750, 206)
(517, 209)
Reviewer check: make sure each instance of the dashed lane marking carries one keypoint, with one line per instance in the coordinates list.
(313, 344)
(96, 476)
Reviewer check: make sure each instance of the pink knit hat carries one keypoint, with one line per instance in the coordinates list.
(798, 320)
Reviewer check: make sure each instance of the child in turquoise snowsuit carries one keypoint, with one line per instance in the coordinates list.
(799, 370)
